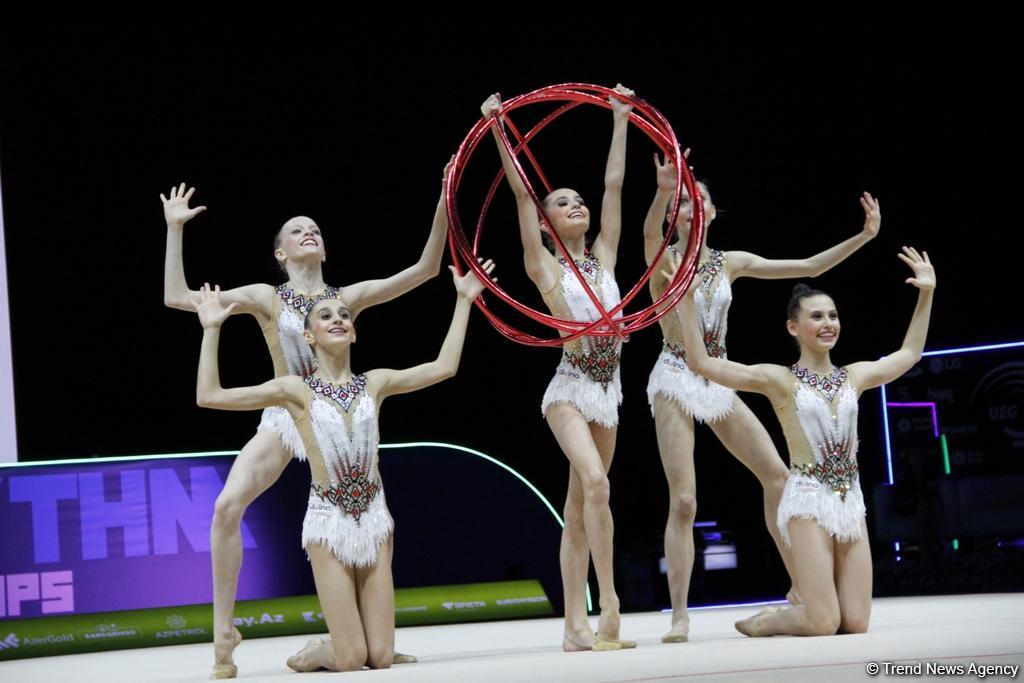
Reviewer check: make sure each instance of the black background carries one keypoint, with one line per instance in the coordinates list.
(789, 119)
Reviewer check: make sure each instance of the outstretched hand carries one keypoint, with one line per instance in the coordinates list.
(468, 285)
(872, 215)
(176, 208)
(212, 312)
(924, 272)
(666, 170)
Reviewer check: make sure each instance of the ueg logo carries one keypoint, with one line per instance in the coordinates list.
(474, 604)
(264, 619)
(178, 629)
(9, 643)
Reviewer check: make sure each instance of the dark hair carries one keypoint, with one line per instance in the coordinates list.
(276, 266)
(309, 311)
(801, 292)
(545, 236)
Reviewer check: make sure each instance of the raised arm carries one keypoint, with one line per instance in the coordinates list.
(248, 299)
(541, 267)
(653, 236)
(762, 379)
(606, 245)
(283, 391)
(768, 380)
(745, 264)
(390, 382)
(363, 295)
(870, 374)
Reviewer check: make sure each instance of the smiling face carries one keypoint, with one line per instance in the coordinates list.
(299, 239)
(816, 327)
(329, 325)
(569, 216)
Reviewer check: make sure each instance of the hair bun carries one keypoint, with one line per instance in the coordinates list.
(800, 288)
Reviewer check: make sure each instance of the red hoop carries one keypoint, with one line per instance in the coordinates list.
(656, 127)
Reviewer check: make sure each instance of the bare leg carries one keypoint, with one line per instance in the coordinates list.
(576, 440)
(604, 439)
(336, 587)
(853, 583)
(376, 592)
(257, 467)
(674, 429)
(746, 438)
(574, 559)
(818, 614)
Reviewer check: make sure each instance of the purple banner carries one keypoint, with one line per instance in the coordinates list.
(132, 534)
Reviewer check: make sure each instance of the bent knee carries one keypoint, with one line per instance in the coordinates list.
(823, 622)
(855, 624)
(228, 509)
(381, 658)
(352, 659)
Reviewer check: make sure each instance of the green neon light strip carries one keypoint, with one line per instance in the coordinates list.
(208, 454)
(489, 459)
(945, 463)
(495, 461)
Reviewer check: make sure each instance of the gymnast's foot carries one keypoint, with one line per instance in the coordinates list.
(578, 639)
(313, 657)
(223, 652)
(680, 631)
(757, 625)
(607, 636)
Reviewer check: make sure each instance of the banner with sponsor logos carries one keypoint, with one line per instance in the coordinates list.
(260, 619)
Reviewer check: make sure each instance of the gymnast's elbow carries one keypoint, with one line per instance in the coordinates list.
(207, 399)
(446, 370)
(178, 303)
(432, 270)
